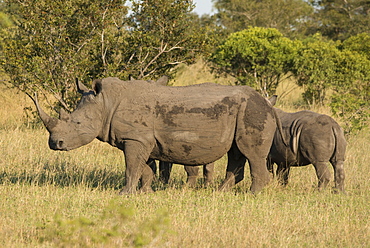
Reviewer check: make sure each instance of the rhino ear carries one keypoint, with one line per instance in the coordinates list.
(97, 86)
(162, 81)
(81, 88)
(63, 115)
(130, 77)
(273, 100)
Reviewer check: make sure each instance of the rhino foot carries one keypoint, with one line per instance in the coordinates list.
(127, 191)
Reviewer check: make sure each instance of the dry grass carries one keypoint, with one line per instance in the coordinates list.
(69, 199)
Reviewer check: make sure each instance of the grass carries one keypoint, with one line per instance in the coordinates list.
(70, 199)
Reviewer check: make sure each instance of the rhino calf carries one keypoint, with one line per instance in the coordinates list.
(312, 138)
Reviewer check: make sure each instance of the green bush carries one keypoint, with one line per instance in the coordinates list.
(258, 57)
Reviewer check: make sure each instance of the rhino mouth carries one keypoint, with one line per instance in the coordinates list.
(58, 145)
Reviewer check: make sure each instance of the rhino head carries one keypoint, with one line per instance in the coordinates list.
(81, 126)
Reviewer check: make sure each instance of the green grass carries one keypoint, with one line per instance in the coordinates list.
(70, 199)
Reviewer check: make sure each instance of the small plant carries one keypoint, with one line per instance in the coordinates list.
(114, 227)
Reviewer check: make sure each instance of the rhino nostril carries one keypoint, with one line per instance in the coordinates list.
(60, 143)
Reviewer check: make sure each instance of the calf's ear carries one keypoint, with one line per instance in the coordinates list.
(97, 86)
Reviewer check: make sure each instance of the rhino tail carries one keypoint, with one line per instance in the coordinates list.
(295, 132)
(340, 144)
(279, 126)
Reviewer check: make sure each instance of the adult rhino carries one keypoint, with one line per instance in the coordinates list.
(312, 138)
(191, 125)
(166, 167)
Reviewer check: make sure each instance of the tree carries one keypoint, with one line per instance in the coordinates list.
(315, 68)
(54, 42)
(322, 65)
(338, 19)
(288, 16)
(162, 34)
(351, 97)
(259, 57)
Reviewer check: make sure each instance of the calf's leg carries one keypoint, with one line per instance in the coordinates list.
(339, 175)
(322, 173)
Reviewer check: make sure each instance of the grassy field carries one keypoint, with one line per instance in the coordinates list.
(70, 199)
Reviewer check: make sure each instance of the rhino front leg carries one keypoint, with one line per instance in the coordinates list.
(322, 173)
(136, 167)
(147, 179)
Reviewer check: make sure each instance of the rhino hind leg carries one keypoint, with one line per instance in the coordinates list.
(339, 175)
(235, 168)
(152, 164)
(193, 172)
(323, 174)
(208, 173)
(164, 171)
(192, 175)
(259, 173)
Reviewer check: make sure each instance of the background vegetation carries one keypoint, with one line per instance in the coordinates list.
(315, 57)
(70, 199)
(321, 46)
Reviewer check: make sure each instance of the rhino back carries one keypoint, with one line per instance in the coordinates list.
(191, 121)
(183, 123)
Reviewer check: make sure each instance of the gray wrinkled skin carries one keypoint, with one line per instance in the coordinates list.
(191, 125)
(312, 139)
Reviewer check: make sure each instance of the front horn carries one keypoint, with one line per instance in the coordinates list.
(81, 88)
(48, 121)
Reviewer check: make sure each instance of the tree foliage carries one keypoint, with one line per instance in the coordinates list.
(351, 98)
(323, 65)
(315, 68)
(288, 16)
(338, 19)
(259, 57)
(161, 34)
(54, 42)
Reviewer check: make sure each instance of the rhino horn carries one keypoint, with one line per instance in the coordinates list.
(48, 121)
(81, 88)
